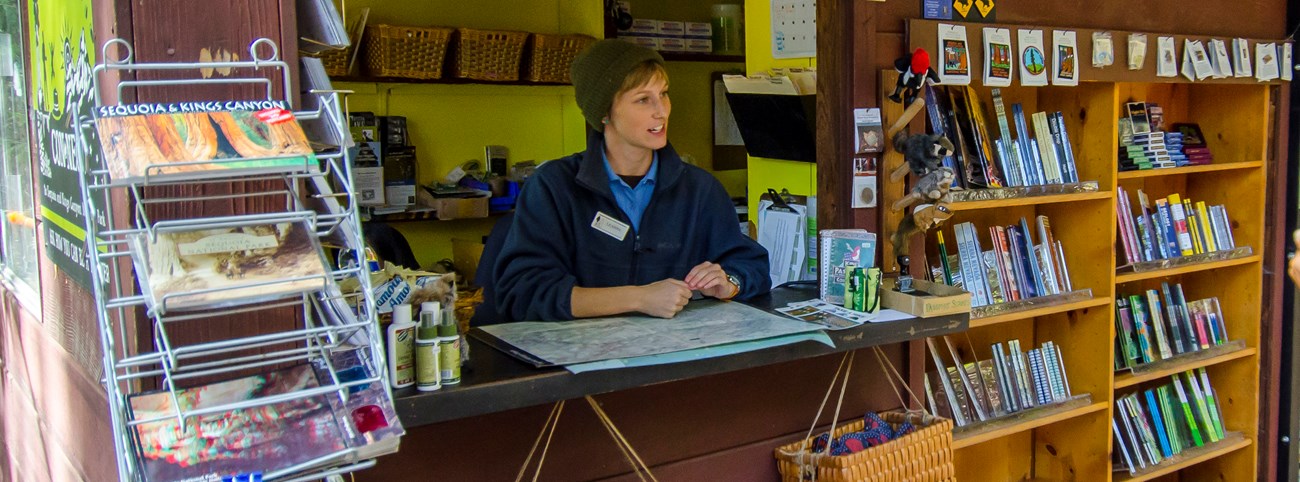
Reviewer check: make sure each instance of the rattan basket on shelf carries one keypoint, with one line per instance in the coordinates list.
(491, 55)
(335, 61)
(921, 456)
(551, 55)
(407, 52)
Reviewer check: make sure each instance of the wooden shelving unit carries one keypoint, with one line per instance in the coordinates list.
(1226, 166)
(1079, 442)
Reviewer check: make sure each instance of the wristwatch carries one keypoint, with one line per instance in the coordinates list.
(731, 278)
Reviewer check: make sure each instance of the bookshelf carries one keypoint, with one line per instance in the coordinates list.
(1077, 444)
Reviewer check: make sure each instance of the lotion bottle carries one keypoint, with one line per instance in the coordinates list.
(428, 375)
(401, 348)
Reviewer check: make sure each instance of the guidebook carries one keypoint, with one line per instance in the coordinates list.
(195, 140)
(215, 267)
(233, 442)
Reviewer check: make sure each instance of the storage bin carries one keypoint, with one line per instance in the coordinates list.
(407, 52)
(491, 55)
(552, 55)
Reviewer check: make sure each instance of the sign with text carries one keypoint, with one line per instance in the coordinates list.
(61, 57)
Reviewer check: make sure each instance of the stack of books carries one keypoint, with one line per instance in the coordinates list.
(1160, 324)
(1174, 227)
(1194, 145)
(1143, 145)
(1161, 422)
(983, 160)
(1016, 267)
(1174, 144)
(1011, 381)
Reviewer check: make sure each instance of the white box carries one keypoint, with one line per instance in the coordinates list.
(671, 29)
(642, 40)
(699, 30)
(672, 44)
(641, 26)
(699, 45)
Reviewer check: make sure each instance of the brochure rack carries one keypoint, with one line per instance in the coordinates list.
(318, 195)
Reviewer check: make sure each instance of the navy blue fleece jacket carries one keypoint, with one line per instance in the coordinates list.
(552, 246)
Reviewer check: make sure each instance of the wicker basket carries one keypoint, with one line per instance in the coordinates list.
(921, 456)
(407, 52)
(336, 61)
(491, 55)
(551, 56)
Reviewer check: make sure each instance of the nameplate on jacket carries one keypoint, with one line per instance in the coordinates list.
(609, 225)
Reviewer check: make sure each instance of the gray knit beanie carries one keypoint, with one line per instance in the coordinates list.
(599, 71)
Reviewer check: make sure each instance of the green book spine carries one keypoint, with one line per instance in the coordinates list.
(1215, 413)
(1199, 397)
(1187, 411)
(1171, 422)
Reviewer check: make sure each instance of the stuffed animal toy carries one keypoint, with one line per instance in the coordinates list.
(913, 72)
(930, 187)
(924, 218)
(922, 152)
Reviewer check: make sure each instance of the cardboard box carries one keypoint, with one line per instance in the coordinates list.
(699, 30)
(460, 208)
(929, 299)
(671, 29)
(644, 41)
(699, 45)
(641, 26)
(672, 45)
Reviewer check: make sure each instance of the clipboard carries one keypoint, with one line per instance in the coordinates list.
(783, 231)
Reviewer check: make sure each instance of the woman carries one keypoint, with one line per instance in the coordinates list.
(624, 226)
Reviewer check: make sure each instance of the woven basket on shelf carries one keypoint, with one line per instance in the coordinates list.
(407, 52)
(336, 61)
(921, 456)
(551, 56)
(491, 55)
(924, 455)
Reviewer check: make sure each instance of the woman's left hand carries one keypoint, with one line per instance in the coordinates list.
(710, 280)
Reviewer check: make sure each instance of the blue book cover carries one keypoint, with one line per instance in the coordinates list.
(1028, 153)
(1039, 287)
(934, 110)
(1028, 288)
(1153, 410)
(1068, 161)
(1167, 222)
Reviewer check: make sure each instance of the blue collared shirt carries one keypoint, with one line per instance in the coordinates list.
(632, 199)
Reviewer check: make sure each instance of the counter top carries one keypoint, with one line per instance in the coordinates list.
(495, 382)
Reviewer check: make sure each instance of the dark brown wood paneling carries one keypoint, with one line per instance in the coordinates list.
(835, 113)
(1276, 210)
(168, 32)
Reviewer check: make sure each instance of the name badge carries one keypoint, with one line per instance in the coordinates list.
(609, 225)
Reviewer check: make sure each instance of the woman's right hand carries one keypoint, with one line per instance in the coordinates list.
(664, 299)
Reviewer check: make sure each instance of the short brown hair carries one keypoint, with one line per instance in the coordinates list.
(641, 74)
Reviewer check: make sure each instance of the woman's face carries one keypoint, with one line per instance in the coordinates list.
(639, 117)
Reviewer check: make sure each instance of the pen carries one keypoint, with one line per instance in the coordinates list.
(943, 257)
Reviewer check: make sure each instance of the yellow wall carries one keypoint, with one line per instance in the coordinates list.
(450, 124)
(799, 177)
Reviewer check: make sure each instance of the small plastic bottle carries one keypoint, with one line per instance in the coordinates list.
(401, 348)
(449, 342)
(428, 369)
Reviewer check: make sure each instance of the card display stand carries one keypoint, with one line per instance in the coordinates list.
(316, 200)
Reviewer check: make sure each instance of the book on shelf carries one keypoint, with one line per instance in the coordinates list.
(1005, 382)
(842, 249)
(200, 140)
(1016, 267)
(1161, 422)
(1176, 227)
(1160, 324)
(258, 439)
(989, 155)
(206, 268)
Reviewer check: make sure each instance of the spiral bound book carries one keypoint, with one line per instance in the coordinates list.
(842, 249)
